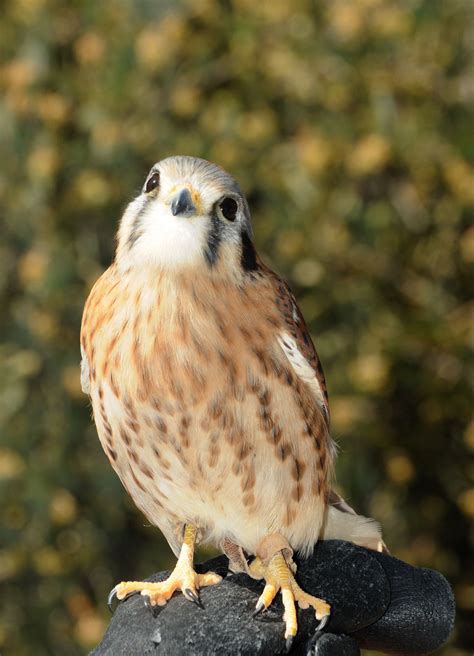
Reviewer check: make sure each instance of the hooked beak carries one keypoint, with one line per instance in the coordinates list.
(182, 204)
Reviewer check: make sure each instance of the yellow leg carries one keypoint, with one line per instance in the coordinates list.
(182, 578)
(278, 576)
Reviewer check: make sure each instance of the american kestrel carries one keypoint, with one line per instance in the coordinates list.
(208, 395)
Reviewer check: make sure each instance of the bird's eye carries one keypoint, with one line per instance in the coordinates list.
(152, 182)
(228, 208)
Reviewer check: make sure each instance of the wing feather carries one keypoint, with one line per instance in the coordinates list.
(85, 373)
(298, 346)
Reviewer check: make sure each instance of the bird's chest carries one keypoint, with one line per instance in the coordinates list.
(198, 411)
(176, 374)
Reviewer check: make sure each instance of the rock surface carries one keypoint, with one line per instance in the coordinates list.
(378, 602)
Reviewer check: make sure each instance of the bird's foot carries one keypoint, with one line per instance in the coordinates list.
(183, 578)
(278, 575)
(157, 594)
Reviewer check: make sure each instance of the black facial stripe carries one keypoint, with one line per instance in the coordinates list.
(213, 241)
(137, 230)
(248, 258)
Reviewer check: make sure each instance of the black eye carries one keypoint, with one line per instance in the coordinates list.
(152, 182)
(228, 208)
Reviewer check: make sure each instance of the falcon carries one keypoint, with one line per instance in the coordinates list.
(207, 392)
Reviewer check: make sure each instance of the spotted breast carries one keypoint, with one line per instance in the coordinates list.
(201, 405)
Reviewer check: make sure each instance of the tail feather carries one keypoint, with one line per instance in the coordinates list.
(342, 523)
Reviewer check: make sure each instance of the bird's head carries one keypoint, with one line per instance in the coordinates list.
(190, 213)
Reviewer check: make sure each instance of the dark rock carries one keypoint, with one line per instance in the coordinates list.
(382, 602)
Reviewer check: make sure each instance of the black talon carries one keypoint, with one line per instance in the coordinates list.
(110, 598)
(153, 608)
(147, 602)
(289, 643)
(192, 596)
(322, 623)
(113, 593)
(258, 609)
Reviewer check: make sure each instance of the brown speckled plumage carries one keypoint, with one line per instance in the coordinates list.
(203, 396)
(208, 395)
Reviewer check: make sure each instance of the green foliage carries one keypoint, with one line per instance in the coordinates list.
(349, 125)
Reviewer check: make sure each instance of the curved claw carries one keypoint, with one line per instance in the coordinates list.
(193, 596)
(151, 607)
(258, 609)
(110, 598)
(289, 643)
(322, 623)
(113, 593)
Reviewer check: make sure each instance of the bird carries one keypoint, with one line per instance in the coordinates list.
(208, 395)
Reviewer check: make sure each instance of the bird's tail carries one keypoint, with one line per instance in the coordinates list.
(341, 522)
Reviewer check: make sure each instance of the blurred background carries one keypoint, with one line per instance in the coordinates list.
(350, 128)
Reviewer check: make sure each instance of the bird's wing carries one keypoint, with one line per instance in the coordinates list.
(298, 347)
(85, 374)
(335, 500)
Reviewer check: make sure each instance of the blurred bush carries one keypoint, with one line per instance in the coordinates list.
(350, 127)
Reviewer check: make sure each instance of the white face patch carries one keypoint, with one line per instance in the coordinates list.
(164, 239)
(151, 235)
